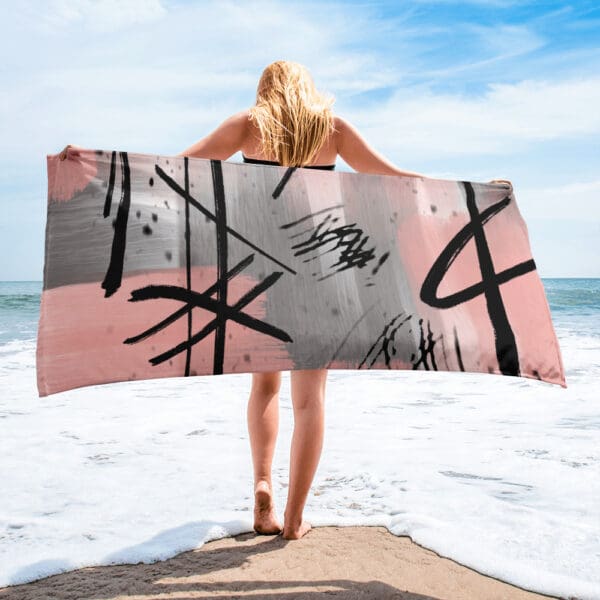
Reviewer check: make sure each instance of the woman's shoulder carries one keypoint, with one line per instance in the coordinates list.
(242, 117)
(238, 124)
(341, 123)
(343, 130)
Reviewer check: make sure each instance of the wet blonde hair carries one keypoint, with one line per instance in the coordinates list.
(294, 119)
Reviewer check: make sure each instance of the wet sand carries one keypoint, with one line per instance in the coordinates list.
(345, 562)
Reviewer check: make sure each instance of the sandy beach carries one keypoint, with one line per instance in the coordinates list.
(349, 562)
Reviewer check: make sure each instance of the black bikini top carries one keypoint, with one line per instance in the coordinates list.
(272, 162)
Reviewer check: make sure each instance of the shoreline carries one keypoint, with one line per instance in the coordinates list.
(349, 562)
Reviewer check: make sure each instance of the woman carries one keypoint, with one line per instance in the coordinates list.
(291, 124)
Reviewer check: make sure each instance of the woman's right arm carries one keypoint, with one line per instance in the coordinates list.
(354, 149)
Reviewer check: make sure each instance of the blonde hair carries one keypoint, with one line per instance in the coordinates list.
(294, 119)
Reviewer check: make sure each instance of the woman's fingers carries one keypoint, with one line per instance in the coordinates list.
(65, 152)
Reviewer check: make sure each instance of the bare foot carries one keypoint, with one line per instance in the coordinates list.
(265, 521)
(296, 532)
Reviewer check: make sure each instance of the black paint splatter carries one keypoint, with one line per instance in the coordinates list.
(426, 345)
(349, 243)
(385, 342)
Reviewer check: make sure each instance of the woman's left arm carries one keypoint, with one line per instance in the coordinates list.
(224, 141)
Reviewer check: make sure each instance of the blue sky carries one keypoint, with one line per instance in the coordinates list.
(464, 90)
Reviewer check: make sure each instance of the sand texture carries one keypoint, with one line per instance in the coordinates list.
(345, 562)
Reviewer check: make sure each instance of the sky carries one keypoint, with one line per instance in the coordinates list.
(470, 90)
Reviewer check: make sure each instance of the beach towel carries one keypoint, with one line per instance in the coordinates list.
(161, 266)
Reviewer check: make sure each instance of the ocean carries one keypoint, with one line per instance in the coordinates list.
(501, 474)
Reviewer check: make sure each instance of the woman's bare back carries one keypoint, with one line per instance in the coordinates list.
(251, 147)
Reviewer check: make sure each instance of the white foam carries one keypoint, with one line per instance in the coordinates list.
(498, 473)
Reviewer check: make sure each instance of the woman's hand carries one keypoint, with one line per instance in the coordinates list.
(65, 151)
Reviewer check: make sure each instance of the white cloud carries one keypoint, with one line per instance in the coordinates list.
(505, 40)
(506, 119)
(485, 3)
(174, 78)
(160, 84)
(92, 15)
(581, 199)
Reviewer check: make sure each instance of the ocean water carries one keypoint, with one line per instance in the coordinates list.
(501, 474)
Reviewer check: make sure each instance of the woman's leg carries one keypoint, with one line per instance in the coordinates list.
(263, 424)
(308, 397)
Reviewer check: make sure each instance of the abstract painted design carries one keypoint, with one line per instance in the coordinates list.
(159, 266)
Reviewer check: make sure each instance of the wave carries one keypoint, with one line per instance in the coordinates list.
(19, 301)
